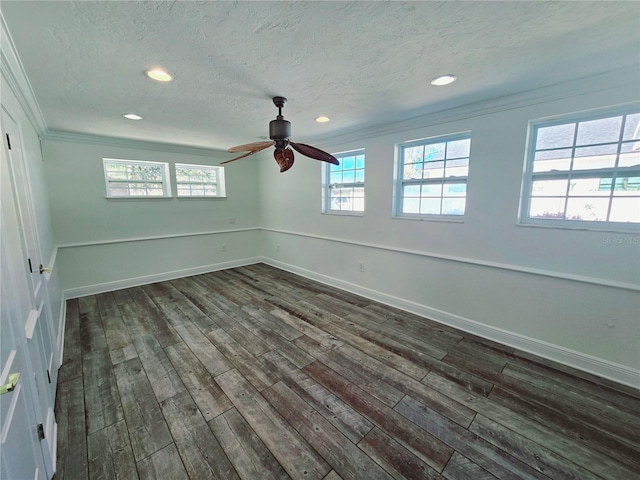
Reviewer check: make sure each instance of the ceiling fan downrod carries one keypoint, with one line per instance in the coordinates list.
(280, 129)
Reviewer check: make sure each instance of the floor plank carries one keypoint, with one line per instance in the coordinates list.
(255, 373)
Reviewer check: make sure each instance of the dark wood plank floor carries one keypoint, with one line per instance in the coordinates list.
(255, 373)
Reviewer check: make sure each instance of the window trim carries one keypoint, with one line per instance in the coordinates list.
(399, 182)
(166, 178)
(326, 186)
(529, 175)
(220, 185)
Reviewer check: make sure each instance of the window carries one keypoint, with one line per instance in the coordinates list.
(134, 178)
(432, 177)
(344, 184)
(199, 181)
(584, 171)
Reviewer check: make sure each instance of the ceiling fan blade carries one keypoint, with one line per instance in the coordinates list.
(237, 158)
(284, 159)
(251, 147)
(314, 152)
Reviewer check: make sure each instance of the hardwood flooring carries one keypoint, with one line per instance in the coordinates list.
(256, 373)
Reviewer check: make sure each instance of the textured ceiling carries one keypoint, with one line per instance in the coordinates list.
(360, 63)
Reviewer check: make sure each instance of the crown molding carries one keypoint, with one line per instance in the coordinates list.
(13, 71)
(610, 80)
(132, 143)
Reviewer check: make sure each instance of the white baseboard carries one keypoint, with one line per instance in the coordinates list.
(581, 361)
(62, 324)
(156, 277)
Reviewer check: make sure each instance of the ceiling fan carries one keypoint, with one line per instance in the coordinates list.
(280, 133)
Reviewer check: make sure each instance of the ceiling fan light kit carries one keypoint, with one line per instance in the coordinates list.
(280, 135)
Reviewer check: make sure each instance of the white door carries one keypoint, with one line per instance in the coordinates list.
(25, 311)
(20, 453)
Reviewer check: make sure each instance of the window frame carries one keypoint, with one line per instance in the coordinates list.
(605, 173)
(165, 181)
(327, 186)
(219, 184)
(399, 182)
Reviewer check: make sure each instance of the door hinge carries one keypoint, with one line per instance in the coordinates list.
(48, 375)
(30, 267)
(40, 431)
(8, 141)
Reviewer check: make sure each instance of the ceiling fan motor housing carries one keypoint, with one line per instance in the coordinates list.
(280, 130)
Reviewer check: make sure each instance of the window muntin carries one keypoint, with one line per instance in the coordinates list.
(135, 178)
(344, 183)
(432, 177)
(584, 171)
(199, 180)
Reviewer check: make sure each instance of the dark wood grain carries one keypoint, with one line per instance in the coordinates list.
(257, 373)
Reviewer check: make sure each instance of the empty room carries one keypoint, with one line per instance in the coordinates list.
(320, 240)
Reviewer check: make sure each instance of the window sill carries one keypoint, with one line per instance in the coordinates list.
(446, 219)
(139, 198)
(201, 197)
(343, 213)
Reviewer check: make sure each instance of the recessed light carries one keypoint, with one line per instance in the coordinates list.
(443, 80)
(322, 119)
(159, 75)
(132, 116)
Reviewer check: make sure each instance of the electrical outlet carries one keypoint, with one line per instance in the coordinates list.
(277, 248)
(224, 248)
(232, 221)
(362, 266)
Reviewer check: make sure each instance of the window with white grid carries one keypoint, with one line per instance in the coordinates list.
(199, 180)
(135, 178)
(584, 171)
(431, 181)
(344, 184)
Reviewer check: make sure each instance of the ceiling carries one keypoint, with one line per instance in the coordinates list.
(362, 64)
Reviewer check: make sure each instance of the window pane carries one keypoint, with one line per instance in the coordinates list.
(412, 171)
(453, 206)
(627, 186)
(430, 206)
(543, 188)
(433, 170)
(602, 156)
(625, 210)
(555, 137)
(589, 187)
(632, 127)
(360, 176)
(335, 177)
(413, 154)
(434, 151)
(458, 148)
(432, 190)
(599, 131)
(457, 168)
(360, 161)
(455, 189)
(589, 209)
(629, 155)
(547, 207)
(550, 160)
(348, 163)
(349, 176)
(358, 204)
(411, 205)
(411, 191)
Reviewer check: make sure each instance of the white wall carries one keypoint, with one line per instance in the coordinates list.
(112, 243)
(547, 290)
